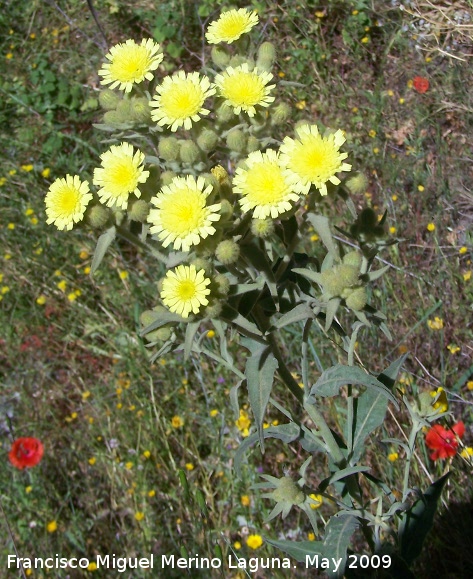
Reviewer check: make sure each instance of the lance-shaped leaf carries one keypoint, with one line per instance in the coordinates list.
(259, 261)
(338, 533)
(259, 371)
(161, 319)
(417, 521)
(302, 551)
(103, 243)
(334, 378)
(191, 331)
(297, 314)
(321, 225)
(369, 412)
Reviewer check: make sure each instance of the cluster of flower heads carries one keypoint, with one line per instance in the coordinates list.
(268, 183)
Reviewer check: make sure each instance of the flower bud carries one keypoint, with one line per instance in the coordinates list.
(353, 258)
(112, 118)
(357, 183)
(280, 114)
(332, 284)
(97, 216)
(226, 210)
(357, 299)
(124, 111)
(253, 144)
(138, 210)
(227, 252)
(167, 177)
(262, 227)
(220, 174)
(201, 263)
(239, 59)
(223, 284)
(224, 113)
(213, 310)
(140, 110)
(219, 56)
(109, 99)
(168, 149)
(189, 153)
(207, 140)
(348, 274)
(266, 56)
(236, 141)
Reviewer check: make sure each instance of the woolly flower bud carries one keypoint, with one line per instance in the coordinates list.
(266, 56)
(201, 263)
(357, 299)
(140, 110)
(236, 141)
(211, 180)
(109, 99)
(253, 144)
(239, 59)
(353, 258)
(348, 274)
(207, 140)
(189, 153)
(213, 310)
(357, 183)
(223, 284)
(262, 227)
(112, 118)
(288, 491)
(97, 216)
(224, 113)
(138, 210)
(167, 177)
(226, 209)
(168, 149)
(280, 113)
(124, 111)
(227, 252)
(219, 56)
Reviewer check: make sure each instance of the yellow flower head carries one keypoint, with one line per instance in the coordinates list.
(179, 100)
(66, 201)
(315, 501)
(131, 63)
(263, 185)
(244, 89)
(121, 171)
(177, 422)
(243, 422)
(313, 159)
(51, 527)
(393, 456)
(254, 541)
(231, 25)
(440, 402)
(182, 216)
(185, 289)
(435, 324)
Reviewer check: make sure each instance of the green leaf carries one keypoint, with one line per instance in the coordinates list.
(244, 326)
(309, 274)
(285, 432)
(338, 533)
(321, 225)
(103, 243)
(259, 371)
(417, 521)
(191, 331)
(388, 377)
(297, 314)
(161, 319)
(339, 375)
(298, 550)
(369, 412)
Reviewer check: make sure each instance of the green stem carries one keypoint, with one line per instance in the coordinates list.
(412, 441)
(325, 432)
(288, 255)
(283, 370)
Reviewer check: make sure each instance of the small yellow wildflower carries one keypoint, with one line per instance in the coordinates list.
(189, 466)
(210, 334)
(441, 403)
(462, 250)
(213, 413)
(467, 276)
(151, 493)
(11, 226)
(46, 172)
(301, 105)
(71, 296)
(254, 541)
(393, 456)
(317, 501)
(467, 452)
(372, 133)
(177, 422)
(139, 516)
(365, 40)
(9, 55)
(237, 545)
(453, 348)
(51, 527)
(123, 274)
(311, 536)
(435, 324)
(402, 101)
(390, 93)
(146, 453)
(392, 230)
(28, 489)
(129, 465)
(92, 461)
(469, 384)
(420, 188)
(27, 168)
(92, 566)
(431, 227)
(4, 290)
(245, 500)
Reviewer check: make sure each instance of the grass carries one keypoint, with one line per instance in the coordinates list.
(118, 476)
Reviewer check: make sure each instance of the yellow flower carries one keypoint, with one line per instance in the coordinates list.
(213, 413)
(51, 527)
(146, 453)
(316, 502)
(66, 201)
(466, 276)
(467, 452)
(313, 159)
(189, 466)
(462, 250)
(372, 133)
(420, 188)
(265, 188)
(180, 100)
(131, 63)
(365, 40)
(129, 465)
(245, 500)
(243, 89)
(139, 516)
(184, 289)
(27, 168)
(92, 461)
(453, 348)
(441, 402)
(469, 384)
(393, 456)
(243, 423)
(92, 566)
(431, 227)
(121, 171)
(177, 422)
(122, 274)
(231, 25)
(151, 493)
(182, 216)
(62, 285)
(46, 172)
(254, 541)
(435, 324)
(28, 489)
(311, 536)
(237, 545)
(210, 334)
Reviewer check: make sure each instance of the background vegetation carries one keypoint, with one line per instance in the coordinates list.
(122, 436)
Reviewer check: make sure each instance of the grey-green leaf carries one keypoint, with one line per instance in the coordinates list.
(369, 412)
(103, 243)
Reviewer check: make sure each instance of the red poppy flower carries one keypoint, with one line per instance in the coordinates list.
(420, 84)
(26, 452)
(444, 441)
